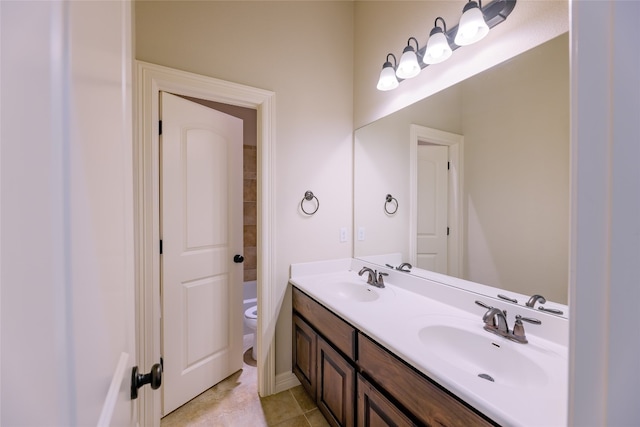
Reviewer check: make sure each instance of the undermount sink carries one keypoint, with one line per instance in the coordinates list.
(468, 348)
(353, 291)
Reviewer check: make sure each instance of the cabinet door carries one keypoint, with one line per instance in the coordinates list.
(304, 355)
(336, 386)
(374, 410)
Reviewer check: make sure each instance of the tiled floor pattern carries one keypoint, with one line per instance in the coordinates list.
(234, 402)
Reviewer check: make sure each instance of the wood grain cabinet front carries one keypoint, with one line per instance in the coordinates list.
(375, 410)
(424, 399)
(325, 366)
(336, 388)
(356, 381)
(305, 348)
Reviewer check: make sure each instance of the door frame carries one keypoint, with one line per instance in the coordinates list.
(150, 80)
(455, 142)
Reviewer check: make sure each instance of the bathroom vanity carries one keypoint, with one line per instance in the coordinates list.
(415, 353)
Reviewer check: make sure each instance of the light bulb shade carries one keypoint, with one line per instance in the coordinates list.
(408, 66)
(387, 80)
(438, 49)
(472, 26)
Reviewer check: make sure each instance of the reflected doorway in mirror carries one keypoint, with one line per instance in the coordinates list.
(435, 221)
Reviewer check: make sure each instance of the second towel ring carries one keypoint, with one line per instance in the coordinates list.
(308, 196)
(390, 200)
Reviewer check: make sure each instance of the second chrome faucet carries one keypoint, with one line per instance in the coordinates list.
(495, 321)
(375, 279)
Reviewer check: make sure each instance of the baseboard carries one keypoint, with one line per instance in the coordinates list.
(285, 381)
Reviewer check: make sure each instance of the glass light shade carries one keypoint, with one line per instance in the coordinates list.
(408, 66)
(388, 80)
(472, 26)
(438, 49)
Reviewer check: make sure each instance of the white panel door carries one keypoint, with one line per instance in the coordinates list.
(201, 229)
(68, 314)
(432, 207)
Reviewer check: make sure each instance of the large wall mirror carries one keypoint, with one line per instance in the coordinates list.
(504, 134)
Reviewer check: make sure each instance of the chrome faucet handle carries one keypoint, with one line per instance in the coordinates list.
(518, 328)
(535, 298)
(529, 320)
(481, 304)
(380, 280)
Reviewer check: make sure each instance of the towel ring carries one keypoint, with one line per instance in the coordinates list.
(308, 196)
(390, 200)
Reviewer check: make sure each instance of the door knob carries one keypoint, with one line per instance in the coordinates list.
(238, 259)
(138, 380)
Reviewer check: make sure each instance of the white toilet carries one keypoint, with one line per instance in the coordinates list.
(251, 321)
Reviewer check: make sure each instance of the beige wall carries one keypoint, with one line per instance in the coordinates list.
(517, 173)
(303, 51)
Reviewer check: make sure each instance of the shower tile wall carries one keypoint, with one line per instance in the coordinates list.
(250, 211)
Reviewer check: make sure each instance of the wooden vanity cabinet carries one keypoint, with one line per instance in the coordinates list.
(355, 381)
(326, 370)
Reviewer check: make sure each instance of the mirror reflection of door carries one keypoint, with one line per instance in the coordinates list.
(432, 208)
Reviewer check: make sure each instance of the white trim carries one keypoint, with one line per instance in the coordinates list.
(150, 80)
(110, 401)
(285, 381)
(455, 143)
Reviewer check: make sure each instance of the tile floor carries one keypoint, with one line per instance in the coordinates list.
(234, 402)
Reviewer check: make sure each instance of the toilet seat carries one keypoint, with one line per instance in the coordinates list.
(251, 312)
(251, 320)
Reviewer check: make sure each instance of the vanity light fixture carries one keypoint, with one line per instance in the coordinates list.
(408, 66)
(438, 49)
(474, 24)
(388, 79)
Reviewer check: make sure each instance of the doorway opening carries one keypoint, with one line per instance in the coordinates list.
(421, 135)
(151, 79)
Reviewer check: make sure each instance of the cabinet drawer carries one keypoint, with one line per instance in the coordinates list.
(340, 333)
(424, 399)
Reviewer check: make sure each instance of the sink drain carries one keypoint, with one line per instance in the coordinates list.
(486, 377)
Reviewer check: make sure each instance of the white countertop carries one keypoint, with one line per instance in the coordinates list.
(395, 319)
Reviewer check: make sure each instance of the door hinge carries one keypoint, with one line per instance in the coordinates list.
(160, 127)
(448, 165)
(160, 247)
(447, 231)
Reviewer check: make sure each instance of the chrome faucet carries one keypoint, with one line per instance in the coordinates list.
(374, 278)
(495, 321)
(535, 298)
(402, 266)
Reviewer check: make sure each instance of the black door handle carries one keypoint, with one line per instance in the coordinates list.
(238, 259)
(138, 380)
